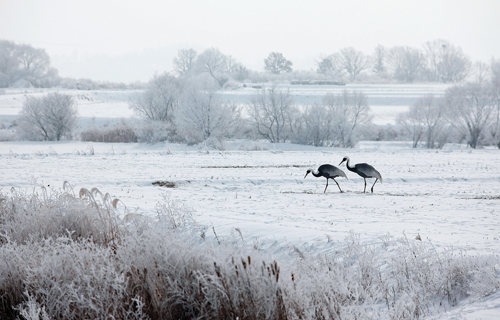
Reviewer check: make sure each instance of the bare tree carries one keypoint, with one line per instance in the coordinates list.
(9, 63)
(425, 120)
(470, 108)
(271, 112)
(185, 61)
(495, 99)
(445, 62)
(317, 125)
(348, 110)
(276, 63)
(161, 98)
(379, 59)
(406, 63)
(213, 62)
(352, 61)
(50, 117)
(330, 66)
(411, 123)
(34, 64)
(480, 72)
(203, 114)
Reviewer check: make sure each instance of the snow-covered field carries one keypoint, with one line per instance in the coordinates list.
(449, 197)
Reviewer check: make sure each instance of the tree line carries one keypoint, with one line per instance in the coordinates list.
(436, 61)
(192, 110)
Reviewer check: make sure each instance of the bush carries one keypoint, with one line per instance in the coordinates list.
(118, 133)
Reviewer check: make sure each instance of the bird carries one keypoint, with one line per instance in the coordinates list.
(329, 172)
(365, 170)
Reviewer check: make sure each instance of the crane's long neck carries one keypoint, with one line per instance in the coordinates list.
(348, 165)
(315, 173)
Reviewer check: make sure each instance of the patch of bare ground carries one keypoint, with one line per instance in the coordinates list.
(167, 184)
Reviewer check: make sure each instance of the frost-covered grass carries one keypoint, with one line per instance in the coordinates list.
(81, 255)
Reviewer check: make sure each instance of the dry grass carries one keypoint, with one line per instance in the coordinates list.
(68, 256)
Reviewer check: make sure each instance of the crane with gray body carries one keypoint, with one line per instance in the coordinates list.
(364, 170)
(329, 172)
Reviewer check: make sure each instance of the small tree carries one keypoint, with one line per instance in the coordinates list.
(348, 110)
(202, 113)
(425, 120)
(213, 62)
(317, 125)
(49, 118)
(271, 112)
(275, 63)
(160, 99)
(445, 62)
(330, 66)
(469, 109)
(185, 61)
(406, 63)
(9, 63)
(495, 99)
(379, 59)
(353, 62)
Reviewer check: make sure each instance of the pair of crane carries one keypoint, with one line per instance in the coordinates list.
(331, 172)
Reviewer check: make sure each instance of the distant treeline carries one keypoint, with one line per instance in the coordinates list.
(22, 65)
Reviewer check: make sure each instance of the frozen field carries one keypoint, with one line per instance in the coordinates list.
(450, 197)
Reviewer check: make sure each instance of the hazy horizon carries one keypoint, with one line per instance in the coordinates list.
(128, 41)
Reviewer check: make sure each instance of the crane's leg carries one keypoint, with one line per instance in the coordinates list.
(326, 185)
(374, 183)
(337, 184)
(365, 186)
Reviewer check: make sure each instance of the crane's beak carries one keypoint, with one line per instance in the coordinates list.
(306, 174)
(341, 162)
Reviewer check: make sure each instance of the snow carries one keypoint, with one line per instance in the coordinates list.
(450, 197)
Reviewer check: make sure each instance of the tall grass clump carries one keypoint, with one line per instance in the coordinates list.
(118, 133)
(67, 255)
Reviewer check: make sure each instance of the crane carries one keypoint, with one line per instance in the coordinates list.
(363, 169)
(329, 172)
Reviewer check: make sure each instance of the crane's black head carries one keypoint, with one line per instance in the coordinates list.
(345, 159)
(307, 172)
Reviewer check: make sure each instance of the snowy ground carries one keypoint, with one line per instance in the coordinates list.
(449, 197)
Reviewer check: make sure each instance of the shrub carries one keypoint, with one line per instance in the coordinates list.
(118, 133)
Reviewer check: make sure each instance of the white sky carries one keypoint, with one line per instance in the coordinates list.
(247, 30)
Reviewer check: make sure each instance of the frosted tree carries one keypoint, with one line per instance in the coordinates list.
(445, 62)
(495, 99)
(276, 63)
(184, 62)
(203, 114)
(347, 111)
(49, 118)
(213, 62)
(160, 99)
(25, 62)
(470, 109)
(317, 125)
(379, 59)
(352, 61)
(426, 121)
(405, 63)
(271, 112)
(34, 64)
(9, 63)
(329, 66)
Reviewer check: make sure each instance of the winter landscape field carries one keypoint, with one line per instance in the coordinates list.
(445, 200)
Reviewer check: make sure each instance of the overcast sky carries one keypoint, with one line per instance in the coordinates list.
(147, 34)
